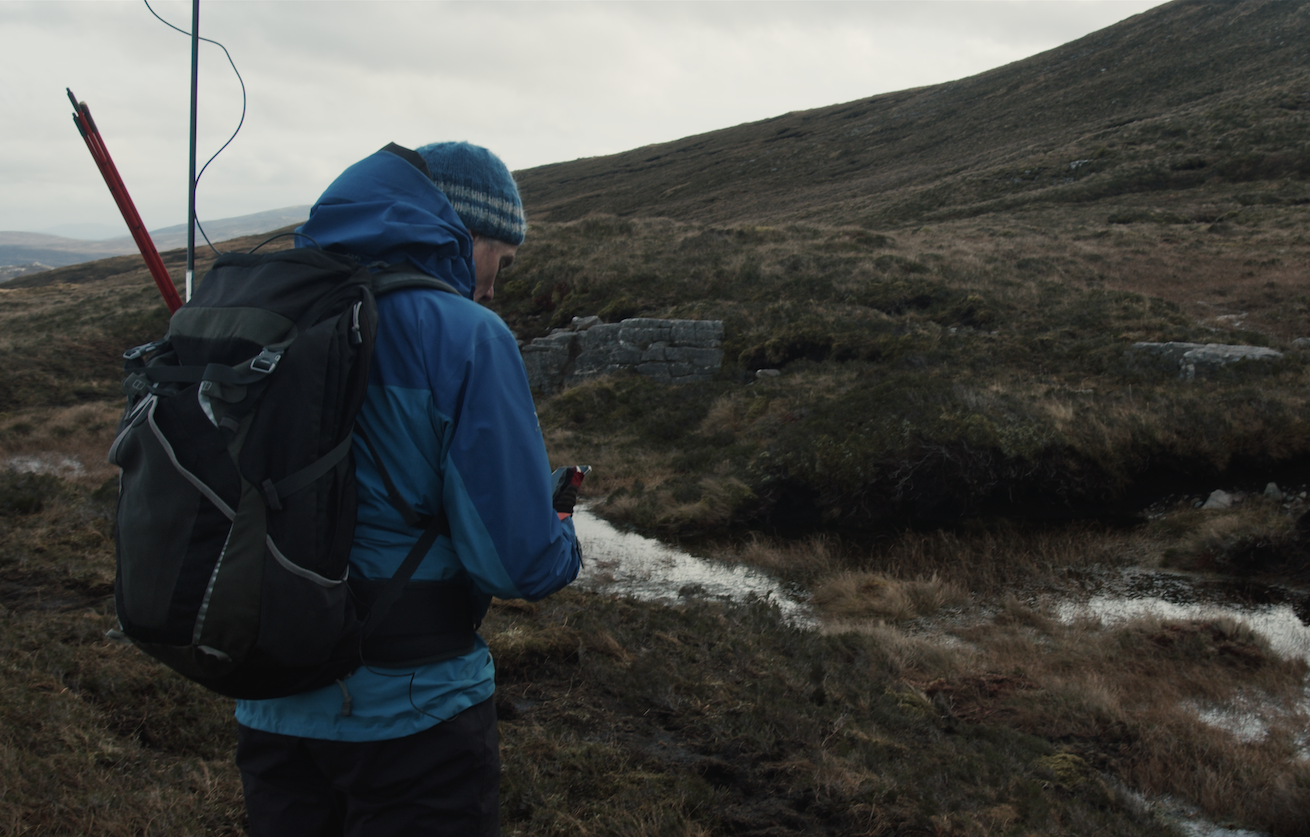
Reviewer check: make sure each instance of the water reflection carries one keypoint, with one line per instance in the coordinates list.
(1278, 614)
(629, 564)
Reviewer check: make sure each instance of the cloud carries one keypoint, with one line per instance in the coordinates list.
(539, 82)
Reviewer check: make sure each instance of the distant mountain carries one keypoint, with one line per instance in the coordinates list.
(20, 251)
(88, 232)
(24, 248)
(1192, 95)
(222, 229)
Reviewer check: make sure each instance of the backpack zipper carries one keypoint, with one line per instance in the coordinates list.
(356, 337)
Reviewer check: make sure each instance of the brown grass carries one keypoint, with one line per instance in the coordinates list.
(70, 441)
(853, 595)
(1126, 698)
(94, 737)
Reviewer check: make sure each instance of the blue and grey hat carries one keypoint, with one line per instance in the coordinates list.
(479, 187)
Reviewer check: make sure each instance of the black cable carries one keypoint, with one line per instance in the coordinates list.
(242, 82)
(282, 235)
(411, 675)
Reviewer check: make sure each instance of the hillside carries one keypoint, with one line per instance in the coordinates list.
(969, 357)
(929, 424)
(24, 248)
(20, 248)
(1182, 105)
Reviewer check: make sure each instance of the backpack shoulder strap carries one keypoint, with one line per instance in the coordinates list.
(399, 276)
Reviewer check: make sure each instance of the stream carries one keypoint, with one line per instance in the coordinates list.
(1280, 614)
(626, 563)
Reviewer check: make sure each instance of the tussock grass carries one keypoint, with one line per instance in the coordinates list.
(626, 718)
(1255, 537)
(72, 442)
(720, 720)
(1124, 700)
(94, 737)
(851, 595)
(1123, 697)
(970, 366)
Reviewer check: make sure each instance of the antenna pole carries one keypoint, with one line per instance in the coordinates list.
(191, 181)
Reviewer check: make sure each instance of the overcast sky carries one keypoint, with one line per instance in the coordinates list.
(537, 82)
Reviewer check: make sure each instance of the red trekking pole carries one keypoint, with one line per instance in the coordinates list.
(96, 145)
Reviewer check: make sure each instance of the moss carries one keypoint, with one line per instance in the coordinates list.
(22, 493)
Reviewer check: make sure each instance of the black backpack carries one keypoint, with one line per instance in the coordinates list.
(236, 510)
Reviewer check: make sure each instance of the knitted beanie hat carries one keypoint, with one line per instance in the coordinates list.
(479, 187)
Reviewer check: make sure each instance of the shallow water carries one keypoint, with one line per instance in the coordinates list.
(1279, 614)
(630, 564)
(46, 463)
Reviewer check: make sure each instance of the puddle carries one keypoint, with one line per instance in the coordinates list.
(46, 463)
(1188, 820)
(630, 564)
(1281, 615)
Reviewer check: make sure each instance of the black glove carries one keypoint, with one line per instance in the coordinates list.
(567, 481)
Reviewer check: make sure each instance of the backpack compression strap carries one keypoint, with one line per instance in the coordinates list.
(442, 613)
(394, 277)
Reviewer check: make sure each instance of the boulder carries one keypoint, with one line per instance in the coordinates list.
(1219, 499)
(1192, 361)
(671, 351)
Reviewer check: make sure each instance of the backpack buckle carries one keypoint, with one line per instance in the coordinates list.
(137, 352)
(135, 386)
(266, 361)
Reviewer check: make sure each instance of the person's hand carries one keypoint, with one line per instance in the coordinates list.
(567, 480)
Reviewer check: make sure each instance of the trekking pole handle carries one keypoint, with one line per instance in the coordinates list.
(95, 143)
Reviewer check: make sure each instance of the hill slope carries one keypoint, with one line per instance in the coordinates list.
(976, 364)
(19, 248)
(1190, 95)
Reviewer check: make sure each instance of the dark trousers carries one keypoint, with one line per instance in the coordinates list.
(442, 781)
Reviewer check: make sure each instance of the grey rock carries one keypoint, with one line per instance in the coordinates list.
(680, 351)
(767, 373)
(601, 337)
(704, 358)
(1207, 360)
(656, 351)
(1219, 499)
(1191, 361)
(1301, 343)
(1273, 492)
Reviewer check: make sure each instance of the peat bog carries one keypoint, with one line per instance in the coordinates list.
(948, 282)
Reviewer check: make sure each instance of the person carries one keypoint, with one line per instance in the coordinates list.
(414, 750)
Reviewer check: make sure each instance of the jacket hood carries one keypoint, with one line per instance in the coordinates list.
(384, 209)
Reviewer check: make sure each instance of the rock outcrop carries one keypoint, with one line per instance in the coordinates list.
(1190, 361)
(672, 351)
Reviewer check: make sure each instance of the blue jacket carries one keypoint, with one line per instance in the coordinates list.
(449, 411)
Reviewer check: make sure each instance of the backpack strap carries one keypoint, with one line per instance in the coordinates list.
(436, 620)
(411, 517)
(305, 477)
(391, 590)
(394, 277)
